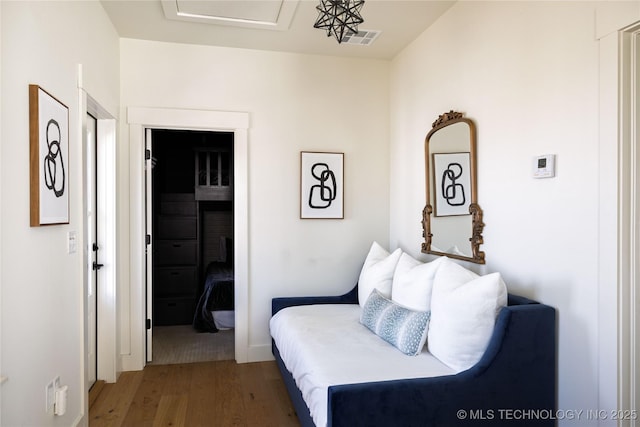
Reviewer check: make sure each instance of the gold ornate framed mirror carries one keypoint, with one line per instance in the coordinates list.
(452, 219)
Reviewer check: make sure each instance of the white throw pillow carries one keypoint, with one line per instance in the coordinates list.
(377, 272)
(464, 308)
(413, 282)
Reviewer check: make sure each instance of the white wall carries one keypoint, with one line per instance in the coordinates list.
(529, 91)
(527, 74)
(1, 374)
(42, 290)
(295, 103)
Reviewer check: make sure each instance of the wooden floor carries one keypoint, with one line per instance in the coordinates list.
(210, 394)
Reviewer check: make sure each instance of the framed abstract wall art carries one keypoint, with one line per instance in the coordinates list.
(321, 185)
(452, 183)
(48, 158)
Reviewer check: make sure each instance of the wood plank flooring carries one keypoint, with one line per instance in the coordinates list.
(207, 394)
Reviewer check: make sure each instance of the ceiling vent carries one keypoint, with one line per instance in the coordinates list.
(362, 37)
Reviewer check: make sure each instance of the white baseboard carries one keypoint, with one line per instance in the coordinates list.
(260, 353)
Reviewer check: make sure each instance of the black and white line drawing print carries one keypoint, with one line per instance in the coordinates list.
(54, 173)
(324, 192)
(321, 185)
(49, 158)
(452, 183)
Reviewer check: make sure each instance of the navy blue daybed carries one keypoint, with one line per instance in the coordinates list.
(514, 383)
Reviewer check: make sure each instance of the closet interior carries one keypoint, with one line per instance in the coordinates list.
(192, 238)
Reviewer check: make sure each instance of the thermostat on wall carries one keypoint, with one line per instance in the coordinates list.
(544, 166)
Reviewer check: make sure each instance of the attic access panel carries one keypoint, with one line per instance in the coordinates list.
(261, 14)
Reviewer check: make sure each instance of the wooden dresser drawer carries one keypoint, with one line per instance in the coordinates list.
(177, 227)
(173, 311)
(177, 208)
(174, 281)
(175, 252)
(178, 204)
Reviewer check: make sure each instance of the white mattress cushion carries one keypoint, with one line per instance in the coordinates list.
(224, 319)
(323, 345)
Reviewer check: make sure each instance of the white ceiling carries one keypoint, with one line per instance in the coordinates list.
(400, 21)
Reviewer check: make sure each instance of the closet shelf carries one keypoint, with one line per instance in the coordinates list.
(213, 177)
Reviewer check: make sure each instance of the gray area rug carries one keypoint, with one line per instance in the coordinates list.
(183, 344)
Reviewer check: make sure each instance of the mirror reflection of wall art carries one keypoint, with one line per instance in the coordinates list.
(452, 183)
(49, 158)
(321, 185)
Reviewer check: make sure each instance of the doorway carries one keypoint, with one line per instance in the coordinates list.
(191, 245)
(99, 231)
(141, 119)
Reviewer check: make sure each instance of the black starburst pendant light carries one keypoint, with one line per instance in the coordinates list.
(339, 17)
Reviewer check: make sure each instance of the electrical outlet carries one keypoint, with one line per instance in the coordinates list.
(50, 396)
(50, 391)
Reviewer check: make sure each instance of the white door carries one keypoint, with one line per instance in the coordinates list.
(149, 247)
(99, 228)
(635, 126)
(92, 264)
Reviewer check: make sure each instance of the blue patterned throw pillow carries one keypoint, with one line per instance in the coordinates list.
(403, 328)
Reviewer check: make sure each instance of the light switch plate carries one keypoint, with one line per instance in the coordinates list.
(544, 166)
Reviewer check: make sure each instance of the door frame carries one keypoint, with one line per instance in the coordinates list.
(106, 209)
(619, 208)
(139, 119)
(90, 236)
(629, 237)
(148, 206)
